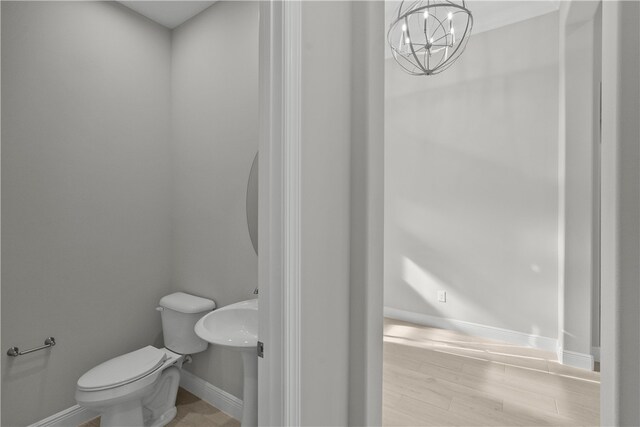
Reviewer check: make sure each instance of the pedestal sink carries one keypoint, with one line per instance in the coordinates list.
(236, 326)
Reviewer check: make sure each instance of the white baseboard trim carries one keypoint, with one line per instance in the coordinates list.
(577, 360)
(595, 352)
(69, 417)
(211, 394)
(475, 329)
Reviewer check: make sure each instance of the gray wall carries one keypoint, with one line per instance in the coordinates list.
(215, 137)
(367, 214)
(471, 183)
(620, 389)
(85, 206)
(325, 232)
(126, 153)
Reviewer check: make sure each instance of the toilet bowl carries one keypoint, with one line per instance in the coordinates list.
(139, 388)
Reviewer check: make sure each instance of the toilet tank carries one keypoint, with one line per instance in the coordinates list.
(180, 312)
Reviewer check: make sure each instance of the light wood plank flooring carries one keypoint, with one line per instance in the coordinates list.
(192, 412)
(437, 377)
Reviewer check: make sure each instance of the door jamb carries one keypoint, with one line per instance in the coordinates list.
(280, 60)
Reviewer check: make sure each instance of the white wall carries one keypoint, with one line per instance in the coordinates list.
(471, 183)
(214, 140)
(85, 206)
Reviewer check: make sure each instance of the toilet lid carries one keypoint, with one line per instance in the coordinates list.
(123, 369)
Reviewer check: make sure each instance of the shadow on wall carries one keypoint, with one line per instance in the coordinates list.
(423, 287)
(415, 285)
(16, 369)
(475, 176)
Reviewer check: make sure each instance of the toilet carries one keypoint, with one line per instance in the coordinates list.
(139, 388)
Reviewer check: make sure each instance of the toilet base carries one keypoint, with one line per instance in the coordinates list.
(165, 418)
(131, 416)
(152, 406)
(160, 406)
(127, 414)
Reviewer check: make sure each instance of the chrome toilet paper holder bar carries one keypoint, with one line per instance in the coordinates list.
(15, 351)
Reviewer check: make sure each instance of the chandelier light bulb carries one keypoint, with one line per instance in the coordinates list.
(450, 16)
(426, 14)
(404, 28)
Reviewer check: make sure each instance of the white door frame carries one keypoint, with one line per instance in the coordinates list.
(574, 274)
(279, 264)
(279, 213)
(620, 247)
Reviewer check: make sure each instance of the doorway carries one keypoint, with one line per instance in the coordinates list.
(492, 225)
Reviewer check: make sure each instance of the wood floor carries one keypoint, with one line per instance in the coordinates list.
(192, 412)
(435, 377)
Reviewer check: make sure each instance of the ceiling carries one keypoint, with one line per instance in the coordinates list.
(490, 14)
(487, 14)
(168, 13)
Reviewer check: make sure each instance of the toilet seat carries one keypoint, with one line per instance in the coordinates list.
(137, 384)
(123, 369)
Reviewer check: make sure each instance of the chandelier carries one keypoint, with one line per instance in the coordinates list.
(427, 36)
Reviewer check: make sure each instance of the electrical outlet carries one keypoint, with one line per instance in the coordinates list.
(442, 296)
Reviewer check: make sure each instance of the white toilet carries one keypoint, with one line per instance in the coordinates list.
(139, 388)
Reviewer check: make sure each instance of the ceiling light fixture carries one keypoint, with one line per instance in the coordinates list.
(428, 36)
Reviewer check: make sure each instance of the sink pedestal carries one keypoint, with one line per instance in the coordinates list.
(235, 326)
(250, 390)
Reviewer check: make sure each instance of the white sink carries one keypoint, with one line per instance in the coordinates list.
(236, 326)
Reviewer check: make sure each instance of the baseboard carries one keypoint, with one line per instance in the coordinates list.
(595, 352)
(475, 329)
(69, 417)
(577, 360)
(211, 394)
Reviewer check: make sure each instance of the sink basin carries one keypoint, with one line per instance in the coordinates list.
(235, 326)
